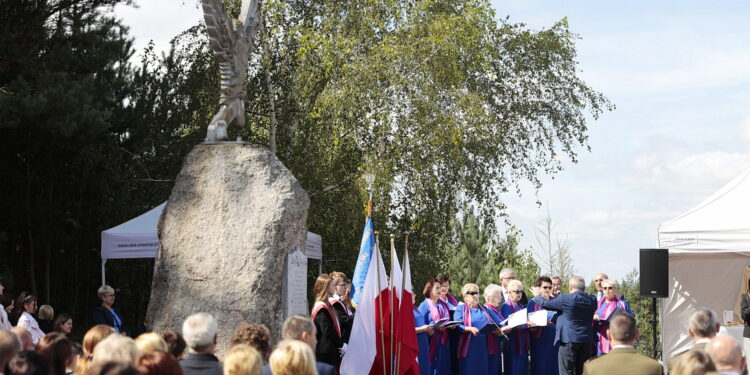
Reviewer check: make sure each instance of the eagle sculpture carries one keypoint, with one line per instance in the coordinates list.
(232, 41)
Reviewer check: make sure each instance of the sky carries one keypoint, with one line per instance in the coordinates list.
(679, 75)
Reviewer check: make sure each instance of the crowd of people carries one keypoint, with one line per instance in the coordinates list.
(584, 334)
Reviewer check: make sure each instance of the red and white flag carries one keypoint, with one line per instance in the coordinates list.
(407, 347)
(365, 339)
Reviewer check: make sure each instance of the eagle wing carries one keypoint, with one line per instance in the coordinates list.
(220, 31)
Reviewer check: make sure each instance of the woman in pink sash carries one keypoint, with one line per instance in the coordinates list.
(608, 307)
(326, 322)
(516, 352)
(493, 297)
(433, 309)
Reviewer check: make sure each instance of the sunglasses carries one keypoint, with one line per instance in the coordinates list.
(472, 293)
(546, 287)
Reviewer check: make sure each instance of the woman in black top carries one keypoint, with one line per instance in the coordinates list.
(326, 322)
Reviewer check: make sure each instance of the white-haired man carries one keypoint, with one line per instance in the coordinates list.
(302, 328)
(506, 276)
(10, 345)
(199, 332)
(703, 325)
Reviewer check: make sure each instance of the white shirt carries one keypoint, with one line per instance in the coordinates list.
(4, 322)
(505, 293)
(623, 346)
(27, 321)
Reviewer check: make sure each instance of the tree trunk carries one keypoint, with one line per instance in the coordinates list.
(269, 87)
(29, 230)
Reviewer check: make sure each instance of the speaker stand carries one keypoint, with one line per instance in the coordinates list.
(653, 326)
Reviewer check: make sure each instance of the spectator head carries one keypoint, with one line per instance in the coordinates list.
(431, 288)
(10, 346)
(493, 294)
(292, 357)
(598, 280)
(576, 283)
(150, 342)
(91, 339)
(199, 331)
(57, 351)
(24, 336)
(63, 324)
(506, 275)
(25, 302)
(113, 368)
(256, 335)
(175, 343)
(158, 363)
(104, 290)
(622, 330)
(323, 288)
(726, 353)
(28, 362)
(693, 362)
(117, 348)
(300, 327)
(703, 324)
(243, 359)
(46, 312)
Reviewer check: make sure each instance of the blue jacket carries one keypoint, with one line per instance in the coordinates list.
(575, 323)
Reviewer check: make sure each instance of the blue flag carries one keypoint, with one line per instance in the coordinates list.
(363, 261)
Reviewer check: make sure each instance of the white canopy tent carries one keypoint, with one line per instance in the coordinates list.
(137, 238)
(709, 250)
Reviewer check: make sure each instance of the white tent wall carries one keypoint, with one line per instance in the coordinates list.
(698, 281)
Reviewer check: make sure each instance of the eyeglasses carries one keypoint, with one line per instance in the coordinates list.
(599, 280)
(509, 278)
(109, 295)
(608, 287)
(515, 291)
(472, 293)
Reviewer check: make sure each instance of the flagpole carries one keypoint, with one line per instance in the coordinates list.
(380, 302)
(393, 292)
(403, 285)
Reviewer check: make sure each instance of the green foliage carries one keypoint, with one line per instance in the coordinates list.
(554, 252)
(642, 308)
(467, 252)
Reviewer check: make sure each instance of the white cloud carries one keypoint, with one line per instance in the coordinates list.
(743, 130)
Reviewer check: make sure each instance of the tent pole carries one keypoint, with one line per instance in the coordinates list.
(653, 325)
(104, 281)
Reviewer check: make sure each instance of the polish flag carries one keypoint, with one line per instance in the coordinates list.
(407, 347)
(364, 341)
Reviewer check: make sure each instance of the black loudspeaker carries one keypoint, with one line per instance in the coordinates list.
(654, 273)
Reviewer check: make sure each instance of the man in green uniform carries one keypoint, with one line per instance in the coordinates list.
(623, 359)
(702, 327)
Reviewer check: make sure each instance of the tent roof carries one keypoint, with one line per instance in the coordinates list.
(720, 223)
(144, 224)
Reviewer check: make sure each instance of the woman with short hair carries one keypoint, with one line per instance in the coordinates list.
(292, 357)
(434, 310)
(257, 336)
(150, 342)
(609, 306)
(159, 363)
(474, 347)
(106, 314)
(516, 352)
(26, 303)
(326, 322)
(63, 324)
(242, 359)
(44, 317)
(493, 301)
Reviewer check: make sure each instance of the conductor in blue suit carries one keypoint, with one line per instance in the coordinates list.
(575, 332)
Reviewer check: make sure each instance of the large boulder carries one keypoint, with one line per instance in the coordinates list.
(234, 214)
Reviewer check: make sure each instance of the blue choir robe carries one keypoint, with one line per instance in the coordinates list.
(516, 350)
(496, 359)
(477, 359)
(440, 362)
(543, 347)
(423, 339)
(453, 334)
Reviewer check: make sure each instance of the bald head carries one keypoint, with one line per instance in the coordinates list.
(10, 346)
(726, 353)
(24, 336)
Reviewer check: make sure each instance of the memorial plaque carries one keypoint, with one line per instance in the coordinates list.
(295, 284)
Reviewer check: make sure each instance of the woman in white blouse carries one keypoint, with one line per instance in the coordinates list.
(26, 320)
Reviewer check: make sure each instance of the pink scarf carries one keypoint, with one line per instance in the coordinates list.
(435, 315)
(492, 346)
(518, 332)
(604, 313)
(463, 342)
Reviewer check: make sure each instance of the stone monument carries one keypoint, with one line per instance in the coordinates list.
(234, 214)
